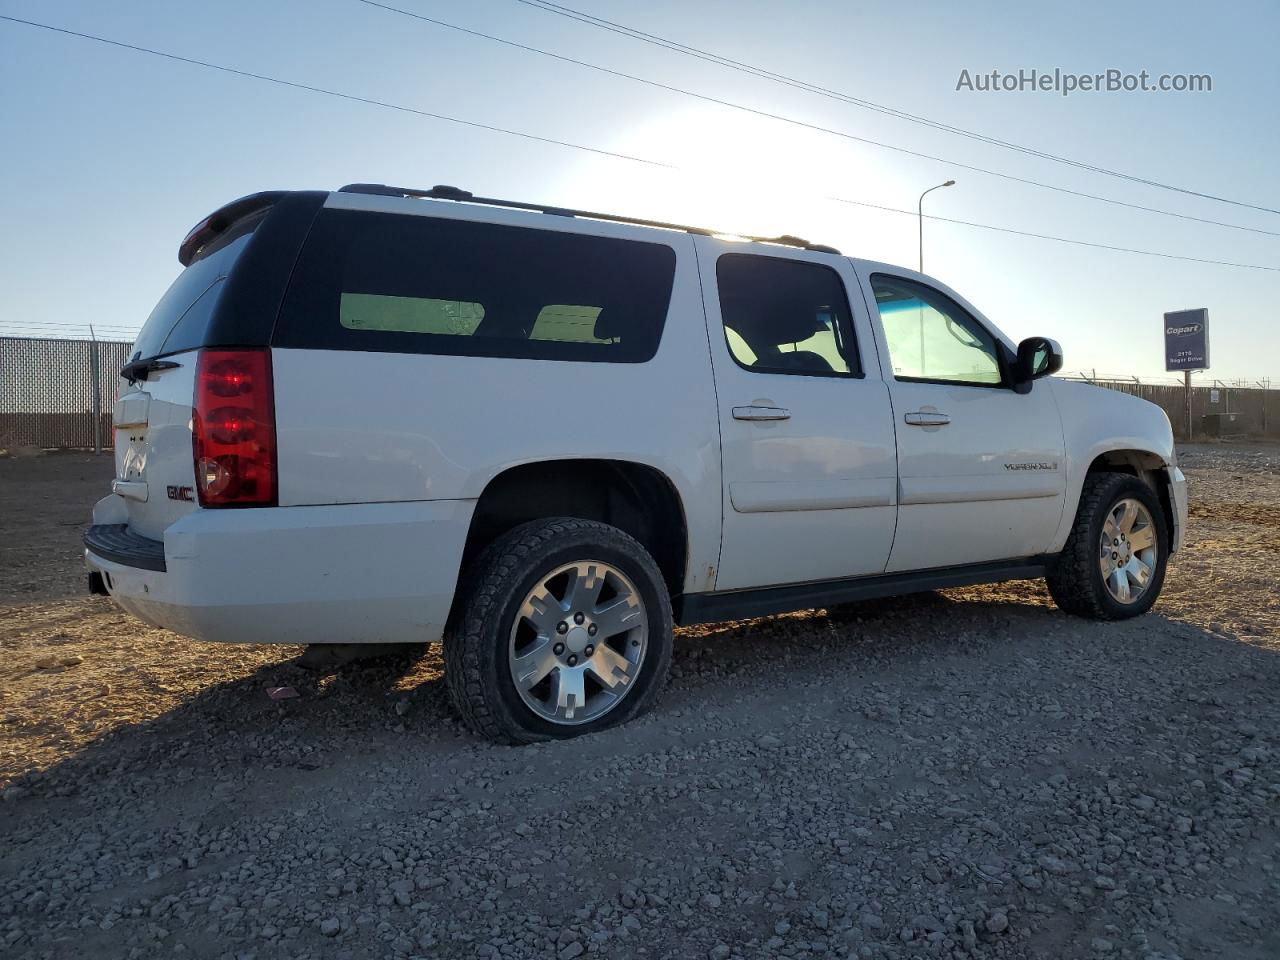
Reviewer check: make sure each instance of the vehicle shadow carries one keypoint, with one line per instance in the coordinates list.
(370, 706)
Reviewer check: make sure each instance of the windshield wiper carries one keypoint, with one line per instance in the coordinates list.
(137, 370)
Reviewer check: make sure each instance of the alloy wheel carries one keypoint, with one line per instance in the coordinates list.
(1128, 550)
(578, 642)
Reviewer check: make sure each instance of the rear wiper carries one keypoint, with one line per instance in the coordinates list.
(137, 370)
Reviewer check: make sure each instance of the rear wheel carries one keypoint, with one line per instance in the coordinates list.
(565, 628)
(1113, 564)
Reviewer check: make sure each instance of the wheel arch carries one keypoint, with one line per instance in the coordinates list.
(635, 497)
(1149, 466)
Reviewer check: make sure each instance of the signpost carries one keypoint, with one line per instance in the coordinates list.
(1186, 347)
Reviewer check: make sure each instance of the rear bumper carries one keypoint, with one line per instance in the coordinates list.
(114, 541)
(352, 573)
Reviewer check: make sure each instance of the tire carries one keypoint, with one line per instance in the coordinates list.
(1076, 577)
(495, 624)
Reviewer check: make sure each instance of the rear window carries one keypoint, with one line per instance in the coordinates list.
(180, 321)
(413, 284)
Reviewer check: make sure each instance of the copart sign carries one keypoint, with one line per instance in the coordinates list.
(1186, 340)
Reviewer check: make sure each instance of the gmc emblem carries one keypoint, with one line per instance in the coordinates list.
(181, 493)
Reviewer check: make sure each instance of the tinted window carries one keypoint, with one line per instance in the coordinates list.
(785, 316)
(389, 282)
(931, 337)
(181, 319)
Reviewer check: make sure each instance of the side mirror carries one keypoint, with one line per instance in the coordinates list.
(1037, 357)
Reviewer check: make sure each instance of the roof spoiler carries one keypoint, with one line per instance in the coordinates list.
(222, 218)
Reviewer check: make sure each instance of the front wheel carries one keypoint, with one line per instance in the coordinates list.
(1113, 564)
(565, 628)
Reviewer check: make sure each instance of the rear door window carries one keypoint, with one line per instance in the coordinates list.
(785, 316)
(416, 284)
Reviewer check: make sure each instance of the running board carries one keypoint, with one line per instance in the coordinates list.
(762, 602)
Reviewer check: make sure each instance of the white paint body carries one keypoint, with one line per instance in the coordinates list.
(383, 456)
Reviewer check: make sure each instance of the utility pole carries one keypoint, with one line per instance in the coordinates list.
(1186, 398)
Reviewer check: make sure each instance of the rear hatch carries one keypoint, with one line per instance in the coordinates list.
(155, 466)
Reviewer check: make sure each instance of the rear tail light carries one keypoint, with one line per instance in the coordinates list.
(234, 429)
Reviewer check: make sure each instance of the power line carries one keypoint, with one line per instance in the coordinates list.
(622, 29)
(1047, 236)
(782, 118)
(588, 149)
(331, 93)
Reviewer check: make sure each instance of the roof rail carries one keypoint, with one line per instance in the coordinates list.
(443, 192)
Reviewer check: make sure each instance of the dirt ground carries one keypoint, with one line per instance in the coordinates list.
(966, 773)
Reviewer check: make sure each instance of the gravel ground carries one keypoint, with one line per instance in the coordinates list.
(960, 774)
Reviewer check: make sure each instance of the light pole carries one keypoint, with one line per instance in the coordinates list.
(920, 216)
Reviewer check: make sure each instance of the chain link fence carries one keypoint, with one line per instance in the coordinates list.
(58, 394)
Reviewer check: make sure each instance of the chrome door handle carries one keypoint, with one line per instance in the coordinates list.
(761, 413)
(926, 418)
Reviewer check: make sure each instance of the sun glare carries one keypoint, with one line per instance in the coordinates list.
(741, 175)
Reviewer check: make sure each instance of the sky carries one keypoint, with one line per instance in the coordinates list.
(110, 156)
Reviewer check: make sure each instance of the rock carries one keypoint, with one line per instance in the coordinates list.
(567, 935)
(1053, 865)
(330, 926)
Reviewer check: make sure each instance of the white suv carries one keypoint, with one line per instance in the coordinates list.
(545, 436)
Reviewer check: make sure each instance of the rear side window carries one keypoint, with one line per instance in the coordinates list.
(785, 316)
(180, 321)
(413, 284)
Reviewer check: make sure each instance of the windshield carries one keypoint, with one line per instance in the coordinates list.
(180, 321)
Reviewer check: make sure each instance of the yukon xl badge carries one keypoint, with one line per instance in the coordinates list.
(181, 493)
(1031, 466)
